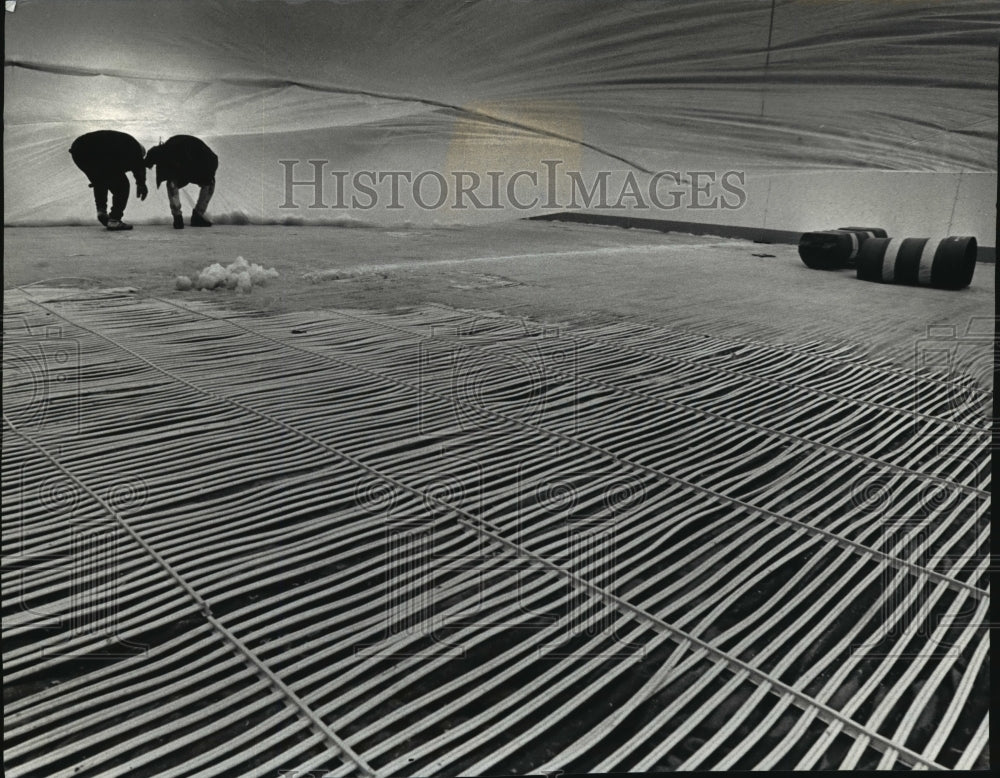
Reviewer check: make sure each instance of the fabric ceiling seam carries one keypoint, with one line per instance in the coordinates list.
(272, 83)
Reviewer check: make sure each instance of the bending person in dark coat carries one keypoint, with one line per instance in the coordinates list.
(183, 160)
(105, 156)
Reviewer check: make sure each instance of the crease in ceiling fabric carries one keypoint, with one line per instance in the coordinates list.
(772, 88)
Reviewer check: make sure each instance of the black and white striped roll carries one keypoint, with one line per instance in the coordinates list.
(830, 249)
(944, 263)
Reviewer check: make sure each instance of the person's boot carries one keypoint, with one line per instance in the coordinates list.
(117, 225)
(178, 222)
(197, 220)
(102, 218)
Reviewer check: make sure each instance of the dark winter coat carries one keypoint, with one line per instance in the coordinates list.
(184, 160)
(105, 154)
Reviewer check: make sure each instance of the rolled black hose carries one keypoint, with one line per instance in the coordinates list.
(942, 263)
(834, 249)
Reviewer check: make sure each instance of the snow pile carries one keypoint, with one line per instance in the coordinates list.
(239, 275)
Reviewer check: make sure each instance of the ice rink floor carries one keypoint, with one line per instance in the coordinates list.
(491, 501)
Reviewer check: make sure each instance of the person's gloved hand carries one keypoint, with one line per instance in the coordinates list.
(141, 191)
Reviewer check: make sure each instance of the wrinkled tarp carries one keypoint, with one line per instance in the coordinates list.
(788, 87)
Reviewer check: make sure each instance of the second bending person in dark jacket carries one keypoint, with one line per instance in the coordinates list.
(182, 160)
